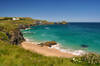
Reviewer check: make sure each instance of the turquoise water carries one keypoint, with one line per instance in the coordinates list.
(71, 35)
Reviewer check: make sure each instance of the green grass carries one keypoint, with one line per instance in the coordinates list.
(12, 55)
(3, 36)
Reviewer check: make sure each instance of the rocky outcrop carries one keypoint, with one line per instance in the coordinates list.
(49, 43)
(15, 37)
(84, 46)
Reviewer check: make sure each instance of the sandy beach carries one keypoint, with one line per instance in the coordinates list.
(33, 47)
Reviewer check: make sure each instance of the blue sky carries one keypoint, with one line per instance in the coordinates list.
(52, 10)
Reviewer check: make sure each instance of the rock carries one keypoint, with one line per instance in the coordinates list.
(16, 37)
(41, 44)
(25, 26)
(49, 43)
(84, 46)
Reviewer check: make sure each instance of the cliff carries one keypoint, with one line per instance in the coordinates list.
(11, 28)
(10, 31)
(16, 37)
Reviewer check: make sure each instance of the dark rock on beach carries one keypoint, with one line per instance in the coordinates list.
(49, 43)
(84, 46)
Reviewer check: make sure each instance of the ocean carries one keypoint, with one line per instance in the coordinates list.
(71, 36)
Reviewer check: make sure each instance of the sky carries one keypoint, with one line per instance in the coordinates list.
(52, 10)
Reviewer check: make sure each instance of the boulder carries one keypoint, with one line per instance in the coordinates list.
(84, 46)
(49, 43)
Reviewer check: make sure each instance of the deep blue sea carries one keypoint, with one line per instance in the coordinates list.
(69, 36)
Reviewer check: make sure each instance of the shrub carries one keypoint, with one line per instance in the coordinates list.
(90, 58)
(3, 36)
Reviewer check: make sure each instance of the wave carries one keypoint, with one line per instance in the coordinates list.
(28, 32)
(59, 47)
(43, 34)
(27, 28)
(70, 51)
(28, 40)
(47, 28)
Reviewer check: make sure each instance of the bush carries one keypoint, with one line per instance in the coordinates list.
(90, 58)
(3, 36)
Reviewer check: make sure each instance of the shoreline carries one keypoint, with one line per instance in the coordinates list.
(33, 47)
(59, 47)
(50, 51)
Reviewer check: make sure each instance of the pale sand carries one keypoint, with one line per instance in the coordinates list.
(45, 50)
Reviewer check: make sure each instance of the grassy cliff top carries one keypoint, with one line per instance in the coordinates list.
(12, 55)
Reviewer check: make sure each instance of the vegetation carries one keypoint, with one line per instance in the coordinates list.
(90, 58)
(14, 55)
(3, 36)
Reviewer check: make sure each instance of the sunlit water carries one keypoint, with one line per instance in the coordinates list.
(69, 36)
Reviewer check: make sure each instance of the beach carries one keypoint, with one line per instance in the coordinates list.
(33, 47)
(67, 45)
(77, 38)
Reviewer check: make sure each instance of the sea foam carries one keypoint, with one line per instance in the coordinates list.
(70, 51)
